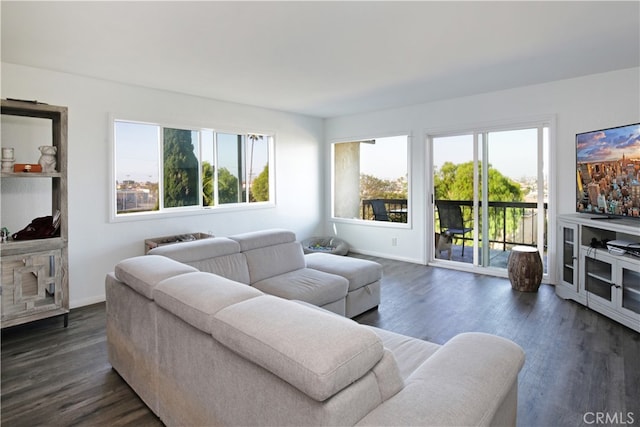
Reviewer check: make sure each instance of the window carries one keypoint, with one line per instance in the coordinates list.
(162, 169)
(180, 168)
(370, 179)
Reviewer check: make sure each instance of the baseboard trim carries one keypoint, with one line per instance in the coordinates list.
(87, 301)
(387, 256)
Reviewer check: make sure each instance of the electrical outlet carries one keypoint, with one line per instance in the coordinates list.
(394, 241)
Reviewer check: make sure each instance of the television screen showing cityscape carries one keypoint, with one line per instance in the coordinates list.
(608, 171)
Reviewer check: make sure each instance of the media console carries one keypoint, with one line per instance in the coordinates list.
(605, 280)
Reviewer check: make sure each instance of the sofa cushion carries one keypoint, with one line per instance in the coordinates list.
(143, 273)
(194, 297)
(318, 353)
(198, 250)
(359, 272)
(409, 352)
(263, 238)
(274, 260)
(306, 284)
(232, 267)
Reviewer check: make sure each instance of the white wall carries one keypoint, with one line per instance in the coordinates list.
(95, 244)
(579, 105)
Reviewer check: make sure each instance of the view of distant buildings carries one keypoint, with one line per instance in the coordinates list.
(135, 196)
(529, 187)
(611, 187)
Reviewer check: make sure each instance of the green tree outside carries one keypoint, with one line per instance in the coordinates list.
(227, 187)
(253, 138)
(455, 182)
(372, 187)
(180, 169)
(207, 184)
(260, 188)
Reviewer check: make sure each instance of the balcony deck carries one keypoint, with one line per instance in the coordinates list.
(498, 257)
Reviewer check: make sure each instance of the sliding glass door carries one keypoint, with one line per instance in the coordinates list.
(494, 182)
(454, 182)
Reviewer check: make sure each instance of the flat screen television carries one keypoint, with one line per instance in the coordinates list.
(608, 172)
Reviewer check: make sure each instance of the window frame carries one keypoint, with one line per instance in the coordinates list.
(367, 222)
(200, 209)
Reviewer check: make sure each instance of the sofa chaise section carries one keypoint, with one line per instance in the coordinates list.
(364, 279)
(364, 276)
(277, 266)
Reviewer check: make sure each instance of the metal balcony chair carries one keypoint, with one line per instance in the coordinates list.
(379, 210)
(451, 220)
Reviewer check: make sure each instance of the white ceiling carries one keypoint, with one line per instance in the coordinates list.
(324, 59)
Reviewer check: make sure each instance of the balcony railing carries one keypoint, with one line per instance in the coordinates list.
(510, 223)
(396, 209)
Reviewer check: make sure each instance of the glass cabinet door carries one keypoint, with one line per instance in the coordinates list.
(569, 276)
(599, 279)
(630, 281)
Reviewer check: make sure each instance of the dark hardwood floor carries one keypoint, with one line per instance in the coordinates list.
(578, 362)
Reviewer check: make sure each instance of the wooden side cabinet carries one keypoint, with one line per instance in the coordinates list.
(35, 283)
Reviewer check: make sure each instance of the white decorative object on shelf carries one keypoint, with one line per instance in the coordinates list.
(48, 158)
(7, 159)
(7, 153)
(7, 165)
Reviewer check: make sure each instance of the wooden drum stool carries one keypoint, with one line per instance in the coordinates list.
(525, 269)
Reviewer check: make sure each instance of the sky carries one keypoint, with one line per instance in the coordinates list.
(138, 151)
(609, 144)
(513, 153)
(386, 159)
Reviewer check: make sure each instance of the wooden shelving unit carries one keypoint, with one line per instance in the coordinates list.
(35, 282)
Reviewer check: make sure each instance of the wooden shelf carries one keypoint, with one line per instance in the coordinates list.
(31, 175)
(33, 109)
(14, 247)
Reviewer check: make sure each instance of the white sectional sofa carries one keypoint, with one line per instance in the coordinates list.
(274, 262)
(202, 349)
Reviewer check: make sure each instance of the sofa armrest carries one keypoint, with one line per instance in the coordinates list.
(144, 272)
(466, 382)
